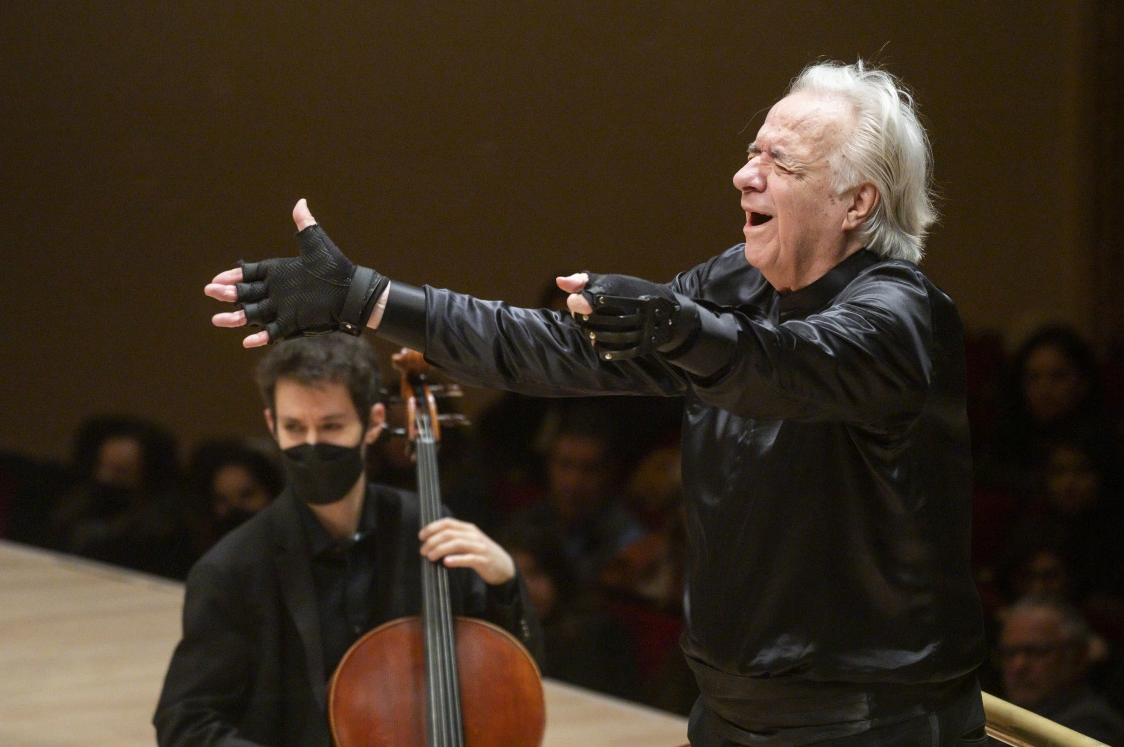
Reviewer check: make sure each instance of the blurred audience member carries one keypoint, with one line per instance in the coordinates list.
(506, 450)
(644, 581)
(1043, 652)
(512, 435)
(28, 490)
(126, 506)
(651, 569)
(1078, 514)
(231, 481)
(581, 644)
(581, 507)
(1053, 391)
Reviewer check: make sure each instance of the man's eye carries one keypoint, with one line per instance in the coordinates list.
(293, 428)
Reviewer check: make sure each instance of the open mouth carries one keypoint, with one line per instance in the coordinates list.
(756, 219)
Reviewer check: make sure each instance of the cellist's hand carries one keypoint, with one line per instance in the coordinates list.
(462, 545)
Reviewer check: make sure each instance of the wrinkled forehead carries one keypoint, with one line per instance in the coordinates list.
(1033, 625)
(808, 126)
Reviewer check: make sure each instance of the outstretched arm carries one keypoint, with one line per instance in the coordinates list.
(484, 343)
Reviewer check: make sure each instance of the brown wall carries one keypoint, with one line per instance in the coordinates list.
(146, 146)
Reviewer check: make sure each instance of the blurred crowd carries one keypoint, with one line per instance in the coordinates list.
(586, 496)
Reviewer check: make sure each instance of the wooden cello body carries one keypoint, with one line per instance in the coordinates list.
(435, 680)
(379, 695)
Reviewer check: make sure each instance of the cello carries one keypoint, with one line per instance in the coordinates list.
(434, 680)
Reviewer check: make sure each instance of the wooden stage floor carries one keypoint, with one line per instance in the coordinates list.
(83, 649)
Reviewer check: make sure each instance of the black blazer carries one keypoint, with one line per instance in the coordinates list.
(249, 670)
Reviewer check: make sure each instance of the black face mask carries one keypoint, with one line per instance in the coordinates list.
(109, 500)
(231, 520)
(320, 474)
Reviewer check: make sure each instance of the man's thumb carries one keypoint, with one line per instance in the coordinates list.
(573, 283)
(301, 216)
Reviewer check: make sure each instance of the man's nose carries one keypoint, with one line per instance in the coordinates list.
(1017, 664)
(750, 177)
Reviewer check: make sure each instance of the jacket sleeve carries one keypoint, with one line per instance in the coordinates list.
(207, 686)
(866, 359)
(531, 351)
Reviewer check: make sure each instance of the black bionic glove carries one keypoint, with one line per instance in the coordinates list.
(634, 317)
(319, 292)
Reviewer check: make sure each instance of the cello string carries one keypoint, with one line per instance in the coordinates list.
(444, 650)
(447, 637)
(438, 731)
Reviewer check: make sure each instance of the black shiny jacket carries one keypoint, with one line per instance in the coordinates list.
(826, 463)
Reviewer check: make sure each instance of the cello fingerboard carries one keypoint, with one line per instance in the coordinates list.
(442, 686)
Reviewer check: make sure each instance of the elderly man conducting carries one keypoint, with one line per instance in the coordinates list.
(826, 462)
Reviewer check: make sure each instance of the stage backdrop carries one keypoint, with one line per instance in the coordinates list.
(479, 146)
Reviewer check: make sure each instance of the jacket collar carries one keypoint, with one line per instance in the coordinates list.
(317, 537)
(294, 572)
(811, 298)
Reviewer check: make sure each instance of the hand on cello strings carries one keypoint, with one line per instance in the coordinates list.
(460, 544)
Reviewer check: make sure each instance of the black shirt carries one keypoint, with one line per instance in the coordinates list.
(343, 575)
(347, 579)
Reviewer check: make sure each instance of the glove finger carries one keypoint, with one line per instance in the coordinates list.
(595, 286)
(259, 314)
(593, 279)
(251, 292)
(253, 271)
(276, 333)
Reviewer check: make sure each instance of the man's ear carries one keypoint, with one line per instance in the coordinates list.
(268, 413)
(376, 423)
(863, 201)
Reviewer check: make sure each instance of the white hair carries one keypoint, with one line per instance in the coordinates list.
(888, 147)
(1074, 628)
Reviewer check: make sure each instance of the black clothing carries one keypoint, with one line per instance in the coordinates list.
(254, 661)
(343, 577)
(143, 530)
(591, 650)
(1084, 711)
(957, 723)
(826, 465)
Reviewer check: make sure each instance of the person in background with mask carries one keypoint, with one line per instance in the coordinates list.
(231, 481)
(126, 507)
(271, 609)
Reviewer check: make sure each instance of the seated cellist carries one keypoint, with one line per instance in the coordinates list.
(273, 607)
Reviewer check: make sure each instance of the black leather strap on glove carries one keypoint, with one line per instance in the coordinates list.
(319, 292)
(634, 317)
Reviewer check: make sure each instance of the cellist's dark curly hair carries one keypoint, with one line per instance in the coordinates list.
(326, 358)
